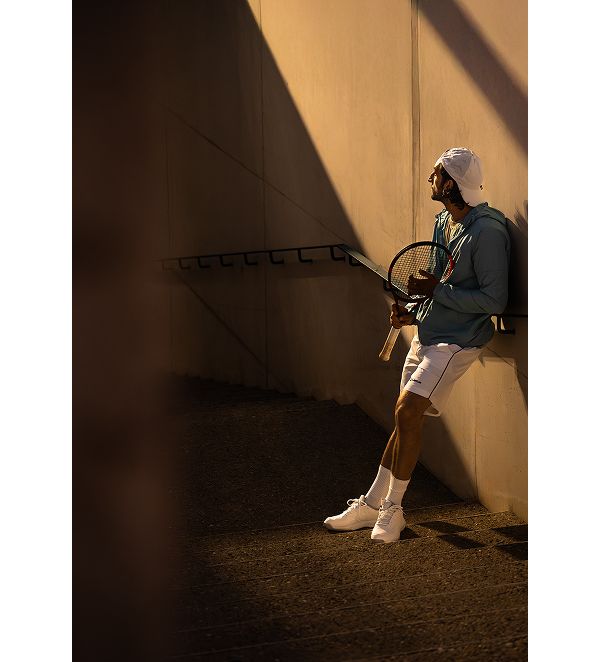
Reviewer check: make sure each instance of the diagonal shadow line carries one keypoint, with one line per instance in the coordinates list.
(210, 141)
(503, 358)
(479, 61)
(251, 171)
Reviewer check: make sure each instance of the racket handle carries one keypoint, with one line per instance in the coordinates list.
(388, 346)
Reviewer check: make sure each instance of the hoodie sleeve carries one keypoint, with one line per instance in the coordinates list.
(490, 263)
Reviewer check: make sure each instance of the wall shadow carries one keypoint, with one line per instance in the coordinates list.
(514, 348)
(519, 270)
(239, 65)
(479, 61)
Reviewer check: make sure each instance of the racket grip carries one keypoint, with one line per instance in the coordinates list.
(388, 346)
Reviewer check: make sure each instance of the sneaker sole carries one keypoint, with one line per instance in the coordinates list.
(387, 542)
(378, 541)
(366, 525)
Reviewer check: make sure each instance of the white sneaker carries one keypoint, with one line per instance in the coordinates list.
(390, 523)
(357, 516)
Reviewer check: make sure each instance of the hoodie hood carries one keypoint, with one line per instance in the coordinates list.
(485, 210)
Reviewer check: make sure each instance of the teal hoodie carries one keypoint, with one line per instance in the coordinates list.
(460, 310)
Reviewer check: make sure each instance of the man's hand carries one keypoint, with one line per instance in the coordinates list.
(401, 317)
(422, 286)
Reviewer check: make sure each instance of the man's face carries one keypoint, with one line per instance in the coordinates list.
(435, 179)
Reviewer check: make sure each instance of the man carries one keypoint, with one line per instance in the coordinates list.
(453, 325)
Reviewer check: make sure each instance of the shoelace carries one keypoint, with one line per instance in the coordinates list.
(386, 515)
(353, 503)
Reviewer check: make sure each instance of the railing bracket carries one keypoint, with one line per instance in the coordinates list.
(500, 327)
(303, 259)
(333, 257)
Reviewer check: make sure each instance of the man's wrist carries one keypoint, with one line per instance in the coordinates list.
(412, 314)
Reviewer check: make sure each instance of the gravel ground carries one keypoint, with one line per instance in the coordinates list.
(259, 578)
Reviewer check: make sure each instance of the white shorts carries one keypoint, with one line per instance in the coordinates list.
(432, 370)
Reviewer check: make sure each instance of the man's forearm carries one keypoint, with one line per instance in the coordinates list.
(489, 300)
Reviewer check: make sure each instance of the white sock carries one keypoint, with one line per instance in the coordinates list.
(380, 488)
(396, 491)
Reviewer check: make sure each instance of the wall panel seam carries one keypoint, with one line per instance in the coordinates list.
(264, 191)
(416, 115)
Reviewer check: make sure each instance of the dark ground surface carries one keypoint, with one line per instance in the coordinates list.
(260, 578)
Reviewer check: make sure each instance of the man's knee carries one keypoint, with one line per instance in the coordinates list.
(406, 417)
(410, 410)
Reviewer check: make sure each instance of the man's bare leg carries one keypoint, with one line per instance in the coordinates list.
(399, 460)
(386, 460)
(400, 456)
(404, 446)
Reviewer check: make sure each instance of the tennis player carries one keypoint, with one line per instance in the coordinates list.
(453, 326)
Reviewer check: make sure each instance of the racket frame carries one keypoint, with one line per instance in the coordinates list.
(398, 295)
(396, 292)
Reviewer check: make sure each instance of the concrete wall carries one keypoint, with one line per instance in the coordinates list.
(296, 122)
(472, 70)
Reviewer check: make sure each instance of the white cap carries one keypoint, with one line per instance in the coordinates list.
(464, 166)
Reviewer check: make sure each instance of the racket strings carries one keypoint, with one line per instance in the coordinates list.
(429, 258)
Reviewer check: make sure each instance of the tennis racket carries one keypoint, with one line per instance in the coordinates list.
(426, 255)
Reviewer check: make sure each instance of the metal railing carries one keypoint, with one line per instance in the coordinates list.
(186, 261)
(355, 259)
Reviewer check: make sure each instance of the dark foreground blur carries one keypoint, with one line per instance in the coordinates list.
(120, 463)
